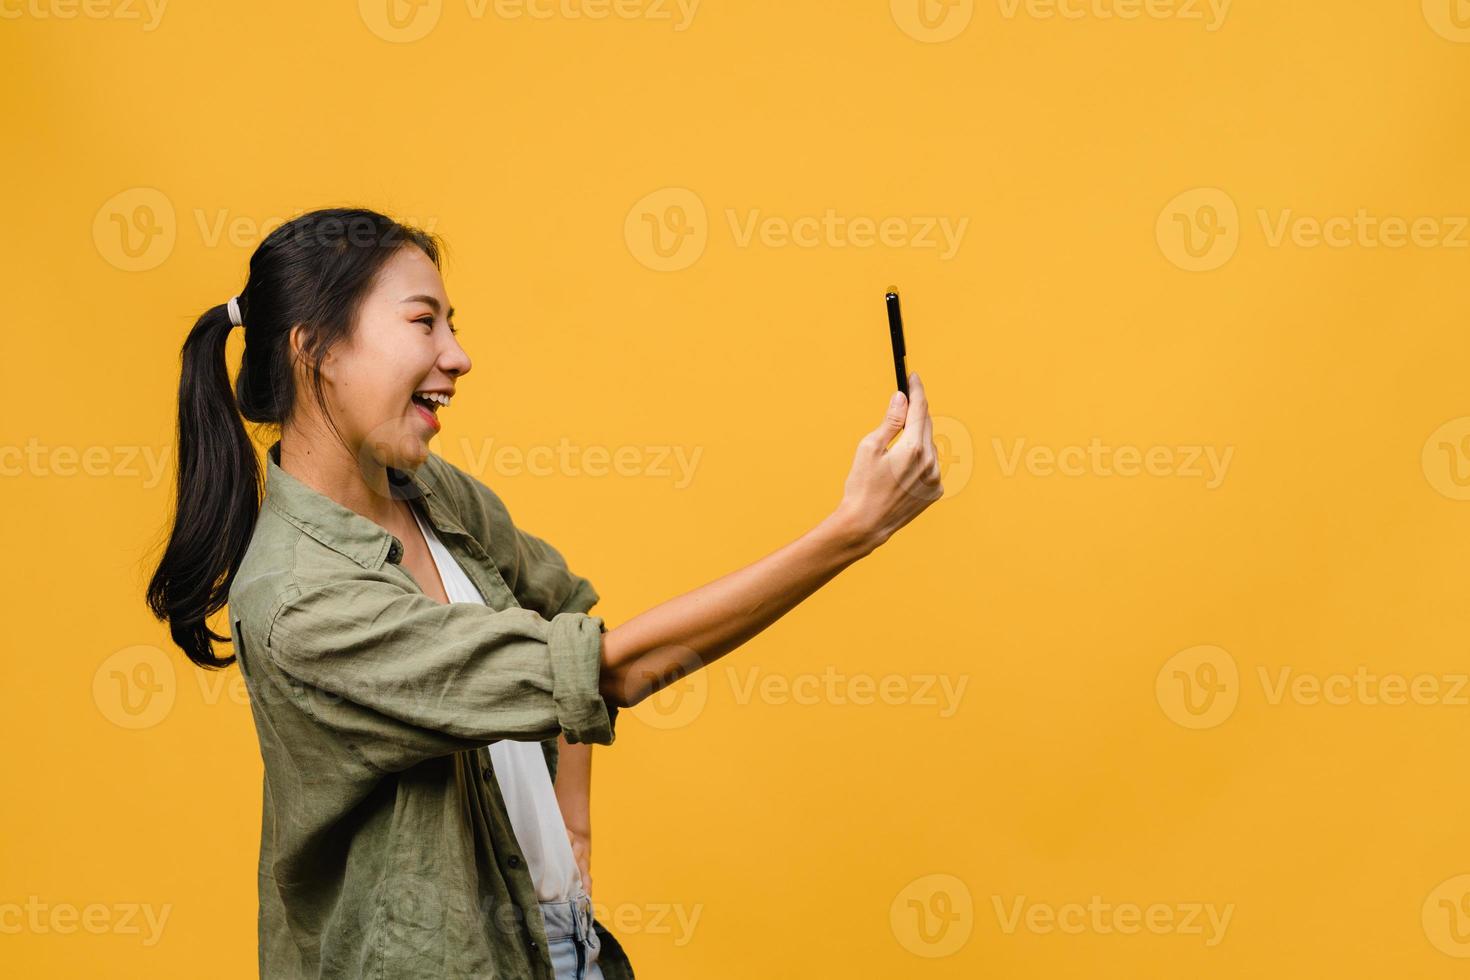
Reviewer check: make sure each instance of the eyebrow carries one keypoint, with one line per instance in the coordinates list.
(431, 301)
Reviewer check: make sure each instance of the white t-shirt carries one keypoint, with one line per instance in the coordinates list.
(520, 770)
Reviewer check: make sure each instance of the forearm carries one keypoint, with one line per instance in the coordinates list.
(677, 637)
(574, 785)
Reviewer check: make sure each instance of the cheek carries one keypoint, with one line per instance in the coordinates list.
(373, 397)
(384, 369)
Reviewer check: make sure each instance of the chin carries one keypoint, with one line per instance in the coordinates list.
(404, 447)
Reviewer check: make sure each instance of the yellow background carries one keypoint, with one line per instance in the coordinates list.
(829, 837)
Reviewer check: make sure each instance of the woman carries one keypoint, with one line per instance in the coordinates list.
(425, 678)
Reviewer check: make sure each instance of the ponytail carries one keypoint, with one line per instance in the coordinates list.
(218, 499)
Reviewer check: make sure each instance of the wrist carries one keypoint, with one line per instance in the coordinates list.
(848, 538)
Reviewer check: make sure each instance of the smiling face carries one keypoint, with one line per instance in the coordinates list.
(401, 357)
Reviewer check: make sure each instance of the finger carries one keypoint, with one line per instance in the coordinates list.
(928, 433)
(918, 405)
(893, 421)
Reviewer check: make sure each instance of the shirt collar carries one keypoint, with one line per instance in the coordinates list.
(343, 529)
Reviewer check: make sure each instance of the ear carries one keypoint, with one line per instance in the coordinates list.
(296, 340)
(299, 362)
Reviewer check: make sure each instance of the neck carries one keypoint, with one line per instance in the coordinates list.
(354, 480)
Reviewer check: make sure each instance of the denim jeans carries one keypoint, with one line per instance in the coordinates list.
(570, 940)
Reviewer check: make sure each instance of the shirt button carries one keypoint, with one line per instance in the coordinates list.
(514, 861)
(488, 773)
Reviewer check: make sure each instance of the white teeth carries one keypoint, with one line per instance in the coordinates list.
(433, 396)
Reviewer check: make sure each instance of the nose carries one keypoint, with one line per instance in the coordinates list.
(454, 361)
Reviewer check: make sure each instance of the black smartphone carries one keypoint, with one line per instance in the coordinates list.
(895, 334)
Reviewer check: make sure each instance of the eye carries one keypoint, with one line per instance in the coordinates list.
(429, 322)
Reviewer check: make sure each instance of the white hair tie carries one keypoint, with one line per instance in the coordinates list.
(235, 319)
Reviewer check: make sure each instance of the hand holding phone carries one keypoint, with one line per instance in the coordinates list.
(888, 486)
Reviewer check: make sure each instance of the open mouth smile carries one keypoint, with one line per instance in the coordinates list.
(427, 404)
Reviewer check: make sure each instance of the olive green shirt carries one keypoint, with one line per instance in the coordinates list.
(386, 850)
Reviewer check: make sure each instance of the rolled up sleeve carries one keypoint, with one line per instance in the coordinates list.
(546, 584)
(405, 677)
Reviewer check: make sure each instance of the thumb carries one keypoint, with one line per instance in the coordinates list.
(898, 411)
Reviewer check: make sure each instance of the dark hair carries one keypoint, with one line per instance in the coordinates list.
(314, 270)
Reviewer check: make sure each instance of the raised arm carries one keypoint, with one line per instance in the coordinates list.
(886, 488)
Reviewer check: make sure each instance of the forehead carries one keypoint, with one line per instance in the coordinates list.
(408, 272)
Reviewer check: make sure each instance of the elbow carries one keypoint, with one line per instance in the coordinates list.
(628, 676)
(618, 689)
(627, 688)
(615, 679)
